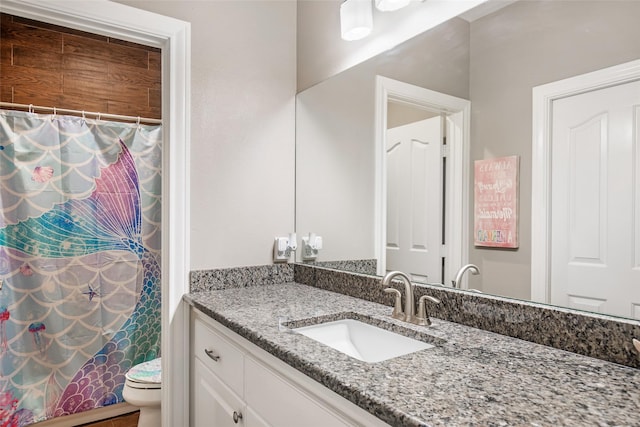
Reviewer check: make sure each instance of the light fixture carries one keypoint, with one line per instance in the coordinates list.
(356, 19)
(391, 5)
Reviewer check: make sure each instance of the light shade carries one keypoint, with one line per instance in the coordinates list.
(391, 5)
(356, 19)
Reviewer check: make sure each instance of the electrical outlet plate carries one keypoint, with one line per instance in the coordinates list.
(308, 252)
(281, 249)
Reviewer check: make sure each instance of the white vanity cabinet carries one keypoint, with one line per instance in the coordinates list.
(217, 378)
(236, 383)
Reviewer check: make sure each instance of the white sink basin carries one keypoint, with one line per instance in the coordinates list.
(361, 340)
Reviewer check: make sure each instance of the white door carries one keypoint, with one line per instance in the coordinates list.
(595, 202)
(414, 200)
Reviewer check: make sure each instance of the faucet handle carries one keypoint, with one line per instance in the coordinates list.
(397, 306)
(423, 316)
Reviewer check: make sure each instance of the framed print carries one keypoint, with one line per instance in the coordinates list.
(496, 202)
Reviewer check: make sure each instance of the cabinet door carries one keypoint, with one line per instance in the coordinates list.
(214, 405)
(281, 404)
(252, 419)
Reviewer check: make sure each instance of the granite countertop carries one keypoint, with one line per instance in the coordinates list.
(470, 378)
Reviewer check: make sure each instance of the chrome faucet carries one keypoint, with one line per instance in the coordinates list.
(409, 307)
(409, 314)
(422, 318)
(471, 267)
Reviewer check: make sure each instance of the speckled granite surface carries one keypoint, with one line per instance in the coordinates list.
(239, 277)
(362, 266)
(593, 335)
(470, 378)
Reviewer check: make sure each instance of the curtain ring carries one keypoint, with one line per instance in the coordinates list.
(138, 122)
(83, 117)
(99, 115)
(31, 108)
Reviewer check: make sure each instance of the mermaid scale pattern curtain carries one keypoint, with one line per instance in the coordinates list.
(79, 261)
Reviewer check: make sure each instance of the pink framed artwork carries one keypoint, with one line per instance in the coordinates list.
(496, 202)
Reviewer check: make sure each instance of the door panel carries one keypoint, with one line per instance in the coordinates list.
(587, 168)
(595, 200)
(414, 199)
(636, 198)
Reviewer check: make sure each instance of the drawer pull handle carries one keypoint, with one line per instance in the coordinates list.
(212, 355)
(237, 416)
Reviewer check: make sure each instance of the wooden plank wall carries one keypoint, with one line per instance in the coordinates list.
(53, 66)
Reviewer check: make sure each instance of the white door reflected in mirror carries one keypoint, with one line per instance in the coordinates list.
(594, 234)
(414, 199)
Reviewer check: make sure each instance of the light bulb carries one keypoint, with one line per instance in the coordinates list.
(356, 19)
(391, 5)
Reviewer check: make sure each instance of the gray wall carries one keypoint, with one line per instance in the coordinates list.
(243, 85)
(525, 44)
(513, 50)
(242, 109)
(400, 114)
(335, 172)
(322, 53)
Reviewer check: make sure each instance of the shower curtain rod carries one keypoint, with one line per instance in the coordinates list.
(31, 108)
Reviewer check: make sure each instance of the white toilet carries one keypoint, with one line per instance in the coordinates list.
(142, 388)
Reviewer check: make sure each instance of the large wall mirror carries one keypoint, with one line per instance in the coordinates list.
(494, 61)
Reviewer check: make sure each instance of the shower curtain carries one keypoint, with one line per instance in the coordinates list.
(79, 261)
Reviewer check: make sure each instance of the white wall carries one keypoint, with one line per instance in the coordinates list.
(243, 65)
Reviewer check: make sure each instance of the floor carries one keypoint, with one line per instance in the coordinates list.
(128, 420)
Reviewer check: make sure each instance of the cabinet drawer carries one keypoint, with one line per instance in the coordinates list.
(218, 354)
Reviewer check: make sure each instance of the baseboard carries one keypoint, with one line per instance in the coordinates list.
(91, 416)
